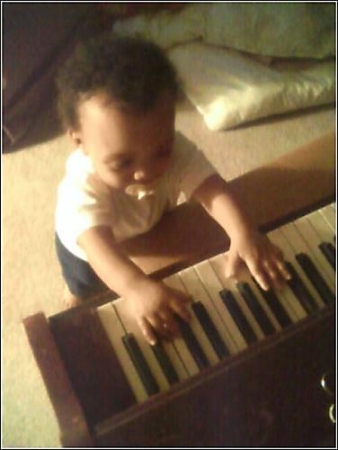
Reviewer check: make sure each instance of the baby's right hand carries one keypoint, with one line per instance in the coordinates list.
(154, 306)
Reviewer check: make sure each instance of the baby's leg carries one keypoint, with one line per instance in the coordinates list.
(82, 282)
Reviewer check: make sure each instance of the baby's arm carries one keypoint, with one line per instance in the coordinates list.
(151, 303)
(263, 259)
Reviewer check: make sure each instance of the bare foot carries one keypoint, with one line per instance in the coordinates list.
(70, 300)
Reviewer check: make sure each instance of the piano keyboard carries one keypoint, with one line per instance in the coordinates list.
(228, 316)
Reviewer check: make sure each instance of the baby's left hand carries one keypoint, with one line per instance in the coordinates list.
(264, 260)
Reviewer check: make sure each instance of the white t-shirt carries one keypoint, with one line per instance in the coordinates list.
(85, 201)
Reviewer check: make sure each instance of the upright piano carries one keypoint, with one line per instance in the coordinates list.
(252, 369)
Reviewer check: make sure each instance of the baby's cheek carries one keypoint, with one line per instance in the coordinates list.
(113, 180)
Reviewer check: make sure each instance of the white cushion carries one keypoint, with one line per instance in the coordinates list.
(229, 88)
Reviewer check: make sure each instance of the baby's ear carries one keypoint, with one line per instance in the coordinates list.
(75, 137)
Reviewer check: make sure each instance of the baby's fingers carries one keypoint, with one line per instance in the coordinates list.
(169, 326)
(179, 304)
(147, 330)
(283, 270)
(233, 265)
(260, 275)
(180, 308)
(275, 274)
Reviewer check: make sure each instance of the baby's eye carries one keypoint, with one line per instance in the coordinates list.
(122, 164)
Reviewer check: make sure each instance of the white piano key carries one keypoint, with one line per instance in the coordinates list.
(175, 359)
(115, 331)
(278, 238)
(226, 325)
(297, 244)
(322, 229)
(312, 241)
(286, 298)
(194, 287)
(246, 276)
(219, 264)
(178, 342)
(131, 326)
(289, 300)
(177, 282)
(329, 214)
(320, 226)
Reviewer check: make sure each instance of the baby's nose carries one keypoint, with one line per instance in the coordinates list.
(141, 175)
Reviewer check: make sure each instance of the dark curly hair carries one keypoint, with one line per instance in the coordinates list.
(131, 72)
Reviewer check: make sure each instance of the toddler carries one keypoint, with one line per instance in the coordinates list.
(117, 101)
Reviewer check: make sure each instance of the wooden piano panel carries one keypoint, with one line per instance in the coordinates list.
(284, 404)
(280, 191)
(93, 368)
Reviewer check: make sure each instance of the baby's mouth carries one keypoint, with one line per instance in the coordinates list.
(140, 190)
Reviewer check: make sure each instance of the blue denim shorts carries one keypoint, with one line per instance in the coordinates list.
(80, 278)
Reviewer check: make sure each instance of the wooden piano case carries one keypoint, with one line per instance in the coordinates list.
(268, 395)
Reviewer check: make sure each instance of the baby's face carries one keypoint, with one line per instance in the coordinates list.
(127, 148)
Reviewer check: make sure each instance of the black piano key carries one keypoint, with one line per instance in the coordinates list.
(238, 316)
(315, 277)
(300, 290)
(192, 344)
(275, 305)
(329, 252)
(210, 330)
(256, 309)
(140, 364)
(165, 363)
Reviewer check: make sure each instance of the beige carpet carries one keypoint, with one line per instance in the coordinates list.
(30, 273)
